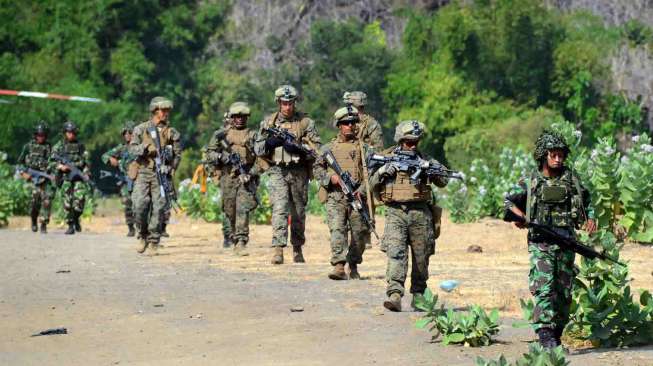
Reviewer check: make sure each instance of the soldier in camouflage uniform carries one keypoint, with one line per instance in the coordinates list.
(340, 216)
(289, 172)
(370, 133)
(554, 196)
(74, 189)
(238, 190)
(119, 157)
(149, 206)
(409, 221)
(35, 156)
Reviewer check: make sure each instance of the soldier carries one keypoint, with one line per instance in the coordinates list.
(409, 217)
(238, 188)
(340, 215)
(370, 133)
(74, 189)
(289, 171)
(119, 157)
(35, 156)
(552, 196)
(149, 205)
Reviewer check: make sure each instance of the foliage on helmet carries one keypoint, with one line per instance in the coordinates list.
(549, 140)
(285, 93)
(128, 127)
(238, 108)
(355, 98)
(409, 130)
(348, 113)
(69, 127)
(160, 103)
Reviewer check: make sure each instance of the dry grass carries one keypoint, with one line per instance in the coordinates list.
(496, 278)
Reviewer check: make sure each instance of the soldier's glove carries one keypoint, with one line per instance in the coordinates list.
(244, 178)
(387, 170)
(272, 142)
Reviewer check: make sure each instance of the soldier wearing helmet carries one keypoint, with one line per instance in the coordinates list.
(74, 189)
(411, 216)
(340, 216)
(119, 158)
(238, 187)
(34, 157)
(289, 170)
(554, 196)
(150, 211)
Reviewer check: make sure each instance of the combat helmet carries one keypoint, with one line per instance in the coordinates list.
(285, 93)
(128, 127)
(238, 108)
(355, 98)
(41, 128)
(348, 113)
(549, 140)
(409, 130)
(70, 127)
(160, 103)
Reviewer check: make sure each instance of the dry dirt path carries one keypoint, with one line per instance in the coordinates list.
(121, 308)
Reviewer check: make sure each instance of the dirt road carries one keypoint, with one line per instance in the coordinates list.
(121, 308)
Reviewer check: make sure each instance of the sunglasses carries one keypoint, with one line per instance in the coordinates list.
(346, 123)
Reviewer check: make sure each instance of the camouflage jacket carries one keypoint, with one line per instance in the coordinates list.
(370, 131)
(138, 146)
(35, 156)
(120, 152)
(77, 154)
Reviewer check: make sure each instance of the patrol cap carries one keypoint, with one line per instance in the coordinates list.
(285, 93)
(409, 130)
(238, 108)
(355, 98)
(160, 103)
(347, 113)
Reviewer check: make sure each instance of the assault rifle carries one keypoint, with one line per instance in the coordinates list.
(291, 140)
(74, 171)
(348, 188)
(562, 240)
(412, 164)
(163, 156)
(234, 160)
(121, 178)
(36, 176)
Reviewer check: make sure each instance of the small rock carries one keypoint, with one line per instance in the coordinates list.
(474, 249)
(158, 305)
(296, 309)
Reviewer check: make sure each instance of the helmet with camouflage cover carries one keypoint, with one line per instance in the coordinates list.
(285, 93)
(128, 127)
(348, 113)
(70, 127)
(41, 128)
(160, 103)
(356, 98)
(238, 108)
(409, 130)
(549, 140)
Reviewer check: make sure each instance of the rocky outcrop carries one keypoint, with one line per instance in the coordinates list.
(614, 12)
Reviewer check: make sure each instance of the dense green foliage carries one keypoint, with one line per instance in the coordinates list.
(15, 194)
(536, 356)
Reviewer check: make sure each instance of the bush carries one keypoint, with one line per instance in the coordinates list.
(15, 193)
(536, 356)
(474, 328)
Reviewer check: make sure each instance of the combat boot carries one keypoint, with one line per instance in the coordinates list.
(277, 258)
(35, 227)
(353, 272)
(547, 338)
(71, 229)
(154, 248)
(78, 226)
(297, 255)
(44, 228)
(164, 232)
(393, 303)
(338, 272)
(241, 249)
(414, 301)
(227, 243)
(143, 245)
(131, 231)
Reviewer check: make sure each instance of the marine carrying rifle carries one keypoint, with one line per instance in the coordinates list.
(348, 188)
(290, 139)
(36, 176)
(412, 164)
(562, 240)
(121, 178)
(74, 171)
(235, 160)
(162, 157)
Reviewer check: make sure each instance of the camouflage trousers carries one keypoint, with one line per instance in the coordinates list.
(408, 225)
(42, 196)
(149, 206)
(237, 203)
(289, 196)
(340, 218)
(127, 204)
(74, 198)
(550, 281)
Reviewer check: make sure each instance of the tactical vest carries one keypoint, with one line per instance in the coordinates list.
(75, 152)
(555, 201)
(238, 142)
(400, 189)
(37, 156)
(348, 156)
(164, 138)
(296, 126)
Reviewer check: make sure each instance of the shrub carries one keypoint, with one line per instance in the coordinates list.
(536, 356)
